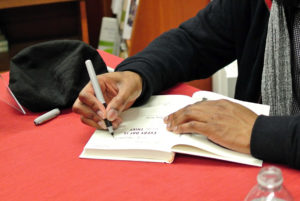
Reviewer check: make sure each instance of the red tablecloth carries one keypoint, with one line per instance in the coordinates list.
(41, 163)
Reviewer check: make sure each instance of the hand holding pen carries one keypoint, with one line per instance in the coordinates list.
(120, 90)
(98, 92)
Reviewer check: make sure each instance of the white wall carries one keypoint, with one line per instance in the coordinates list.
(224, 80)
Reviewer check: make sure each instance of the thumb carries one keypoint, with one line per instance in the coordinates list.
(129, 89)
(116, 106)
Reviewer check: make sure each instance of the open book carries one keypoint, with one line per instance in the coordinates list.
(143, 136)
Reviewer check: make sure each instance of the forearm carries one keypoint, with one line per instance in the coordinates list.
(195, 50)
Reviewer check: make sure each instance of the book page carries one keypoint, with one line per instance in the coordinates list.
(200, 145)
(175, 102)
(259, 109)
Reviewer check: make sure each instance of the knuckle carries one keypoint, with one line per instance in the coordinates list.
(223, 102)
(216, 117)
(94, 106)
(199, 102)
(82, 94)
(75, 109)
(119, 104)
(119, 100)
(82, 97)
(90, 115)
(171, 117)
(179, 129)
(82, 119)
(187, 111)
(192, 125)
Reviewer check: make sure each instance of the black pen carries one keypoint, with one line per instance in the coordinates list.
(98, 92)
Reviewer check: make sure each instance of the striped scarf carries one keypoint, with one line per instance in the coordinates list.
(276, 85)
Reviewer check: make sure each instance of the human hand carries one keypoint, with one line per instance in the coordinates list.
(120, 90)
(224, 122)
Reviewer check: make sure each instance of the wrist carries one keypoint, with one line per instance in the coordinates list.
(138, 80)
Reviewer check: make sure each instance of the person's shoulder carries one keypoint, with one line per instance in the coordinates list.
(240, 5)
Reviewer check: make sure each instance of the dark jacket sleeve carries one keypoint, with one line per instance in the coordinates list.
(194, 50)
(277, 139)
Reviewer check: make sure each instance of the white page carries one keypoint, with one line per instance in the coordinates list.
(209, 149)
(255, 107)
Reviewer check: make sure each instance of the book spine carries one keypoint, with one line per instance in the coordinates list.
(109, 36)
(3, 43)
(123, 14)
(116, 6)
(129, 19)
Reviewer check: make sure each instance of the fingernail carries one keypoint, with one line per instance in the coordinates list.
(100, 114)
(102, 124)
(169, 125)
(117, 123)
(175, 129)
(112, 114)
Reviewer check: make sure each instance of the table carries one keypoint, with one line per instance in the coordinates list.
(41, 163)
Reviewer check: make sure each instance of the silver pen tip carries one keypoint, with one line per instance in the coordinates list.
(111, 131)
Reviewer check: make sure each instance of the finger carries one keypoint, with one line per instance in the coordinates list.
(123, 100)
(186, 114)
(85, 111)
(191, 127)
(92, 123)
(203, 111)
(116, 123)
(200, 128)
(116, 106)
(90, 100)
(127, 89)
(100, 124)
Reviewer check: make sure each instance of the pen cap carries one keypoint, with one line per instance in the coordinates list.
(51, 74)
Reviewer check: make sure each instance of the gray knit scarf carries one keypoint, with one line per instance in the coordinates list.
(276, 87)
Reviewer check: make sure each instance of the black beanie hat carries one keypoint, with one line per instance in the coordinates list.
(51, 74)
